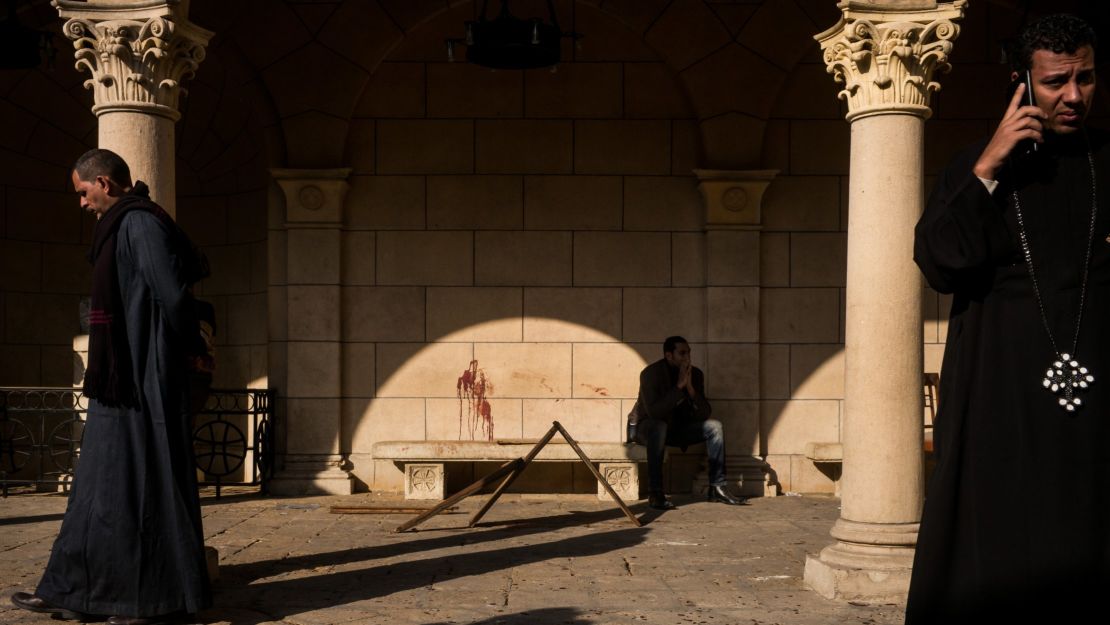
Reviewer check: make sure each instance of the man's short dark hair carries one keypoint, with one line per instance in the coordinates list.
(103, 163)
(672, 342)
(1062, 33)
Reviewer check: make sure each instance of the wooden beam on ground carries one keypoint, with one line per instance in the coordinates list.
(510, 470)
(383, 509)
(512, 465)
(590, 465)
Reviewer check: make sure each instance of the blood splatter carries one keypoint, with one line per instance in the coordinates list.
(600, 390)
(471, 389)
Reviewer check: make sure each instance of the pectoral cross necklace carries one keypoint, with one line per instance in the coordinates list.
(1066, 378)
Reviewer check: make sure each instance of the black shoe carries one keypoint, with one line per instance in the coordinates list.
(719, 494)
(33, 603)
(660, 502)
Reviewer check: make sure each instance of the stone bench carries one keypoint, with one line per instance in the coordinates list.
(830, 455)
(825, 452)
(422, 461)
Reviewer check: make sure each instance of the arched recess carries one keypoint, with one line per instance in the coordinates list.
(317, 60)
(537, 222)
(307, 66)
(733, 60)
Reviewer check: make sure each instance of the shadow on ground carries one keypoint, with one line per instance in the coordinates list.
(255, 585)
(19, 520)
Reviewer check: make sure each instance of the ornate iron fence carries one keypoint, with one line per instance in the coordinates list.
(41, 429)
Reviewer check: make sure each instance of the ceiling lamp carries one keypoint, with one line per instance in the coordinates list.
(509, 42)
(22, 48)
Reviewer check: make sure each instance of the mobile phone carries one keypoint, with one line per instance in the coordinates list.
(1027, 146)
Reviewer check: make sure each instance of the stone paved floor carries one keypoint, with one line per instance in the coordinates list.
(533, 561)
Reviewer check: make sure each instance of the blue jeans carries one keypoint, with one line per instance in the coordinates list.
(656, 435)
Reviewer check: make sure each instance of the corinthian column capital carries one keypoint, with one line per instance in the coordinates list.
(137, 51)
(886, 58)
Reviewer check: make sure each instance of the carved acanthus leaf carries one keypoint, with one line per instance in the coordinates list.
(888, 61)
(134, 64)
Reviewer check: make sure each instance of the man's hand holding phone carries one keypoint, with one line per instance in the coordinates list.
(1020, 123)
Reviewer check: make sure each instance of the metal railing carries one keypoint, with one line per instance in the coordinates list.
(41, 430)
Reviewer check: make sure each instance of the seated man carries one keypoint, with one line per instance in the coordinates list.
(672, 410)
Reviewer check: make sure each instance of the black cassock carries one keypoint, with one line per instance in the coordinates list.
(131, 542)
(1016, 526)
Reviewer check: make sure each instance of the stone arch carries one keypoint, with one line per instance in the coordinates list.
(733, 61)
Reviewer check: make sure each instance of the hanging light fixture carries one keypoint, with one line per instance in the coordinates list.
(22, 48)
(510, 42)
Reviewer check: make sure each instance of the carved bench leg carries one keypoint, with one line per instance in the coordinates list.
(423, 481)
(623, 477)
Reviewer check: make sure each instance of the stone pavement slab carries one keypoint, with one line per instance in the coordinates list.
(535, 560)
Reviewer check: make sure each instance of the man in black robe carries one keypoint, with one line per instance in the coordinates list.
(672, 410)
(131, 546)
(1016, 526)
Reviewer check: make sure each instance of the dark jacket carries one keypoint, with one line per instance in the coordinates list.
(660, 399)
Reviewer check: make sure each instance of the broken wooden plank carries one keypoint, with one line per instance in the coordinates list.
(383, 509)
(601, 480)
(513, 475)
(508, 467)
(509, 471)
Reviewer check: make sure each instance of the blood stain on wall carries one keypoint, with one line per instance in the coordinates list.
(475, 412)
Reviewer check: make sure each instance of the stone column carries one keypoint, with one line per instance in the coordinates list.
(308, 307)
(886, 59)
(733, 220)
(138, 53)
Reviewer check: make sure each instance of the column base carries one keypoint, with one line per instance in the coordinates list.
(841, 573)
(875, 570)
(311, 474)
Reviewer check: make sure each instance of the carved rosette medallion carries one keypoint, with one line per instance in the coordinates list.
(424, 479)
(620, 478)
(136, 64)
(312, 197)
(735, 199)
(886, 60)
